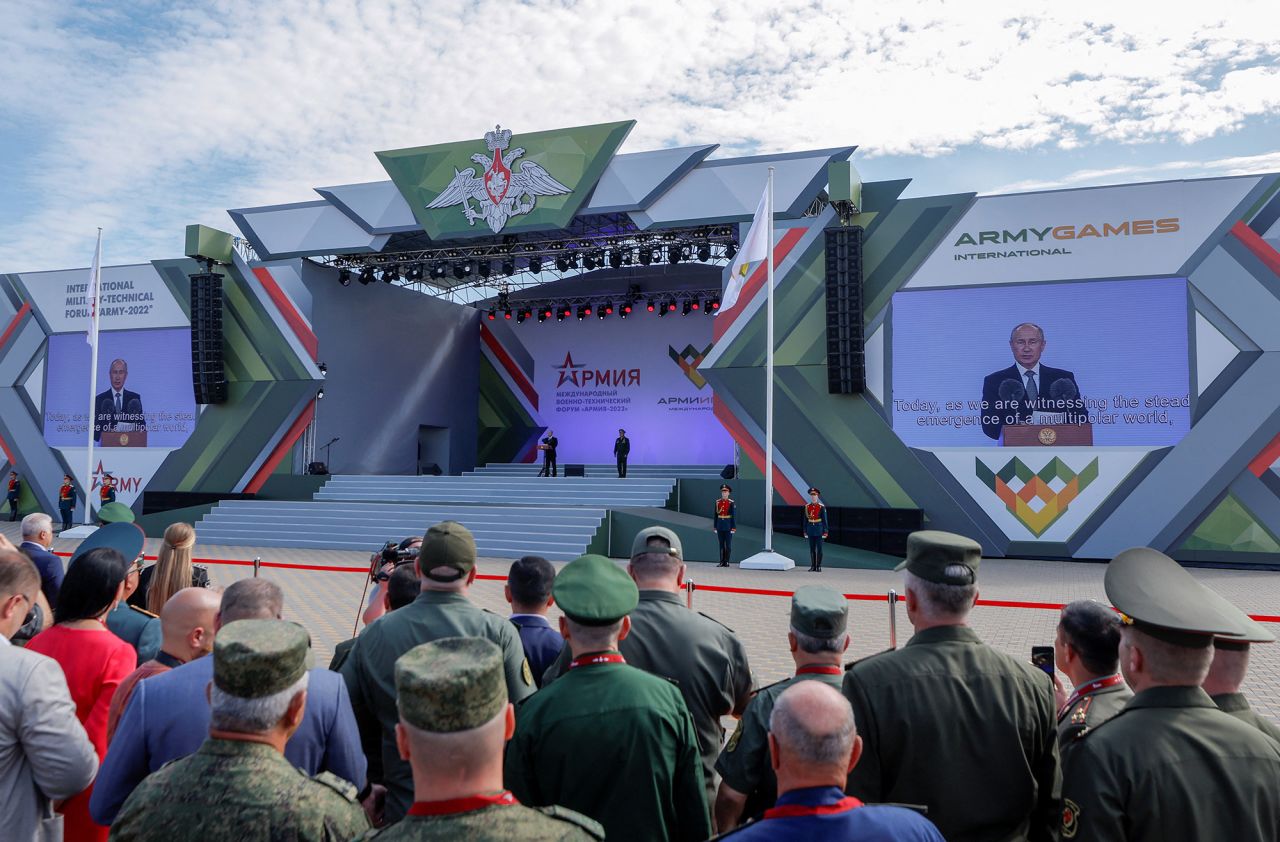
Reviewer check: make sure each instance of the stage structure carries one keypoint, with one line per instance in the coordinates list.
(492, 290)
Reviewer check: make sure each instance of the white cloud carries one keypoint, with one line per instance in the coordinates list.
(151, 115)
(1239, 165)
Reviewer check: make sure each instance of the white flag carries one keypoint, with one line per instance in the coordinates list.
(95, 279)
(753, 252)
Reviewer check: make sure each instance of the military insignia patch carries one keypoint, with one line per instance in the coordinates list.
(1070, 818)
(526, 673)
(734, 737)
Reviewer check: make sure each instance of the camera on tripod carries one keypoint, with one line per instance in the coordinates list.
(393, 553)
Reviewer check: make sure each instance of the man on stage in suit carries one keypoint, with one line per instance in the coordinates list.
(118, 406)
(548, 448)
(1013, 395)
(15, 491)
(622, 449)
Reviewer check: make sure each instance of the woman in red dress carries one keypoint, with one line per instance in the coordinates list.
(93, 659)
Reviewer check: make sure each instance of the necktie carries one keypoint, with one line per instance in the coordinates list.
(1032, 391)
(117, 403)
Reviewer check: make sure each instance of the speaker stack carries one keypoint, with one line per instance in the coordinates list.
(846, 374)
(208, 379)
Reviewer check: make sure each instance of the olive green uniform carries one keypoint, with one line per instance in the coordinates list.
(953, 725)
(1172, 766)
(234, 791)
(370, 671)
(703, 658)
(1087, 713)
(744, 764)
(1238, 706)
(513, 823)
(616, 744)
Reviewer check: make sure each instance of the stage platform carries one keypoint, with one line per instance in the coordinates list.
(601, 470)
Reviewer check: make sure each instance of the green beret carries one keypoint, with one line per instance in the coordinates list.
(451, 684)
(594, 591)
(1158, 596)
(819, 612)
(255, 658)
(447, 544)
(930, 553)
(641, 543)
(115, 512)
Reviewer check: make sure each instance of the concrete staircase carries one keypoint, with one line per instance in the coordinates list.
(603, 471)
(501, 489)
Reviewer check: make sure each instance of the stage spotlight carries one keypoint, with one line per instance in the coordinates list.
(730, 249)
(625, 310)
(543, 313)
(366, 275)
(521, 316)
(508, 267)
(684, 311)
(535, 264)
(674, 254)
(606, 309)
(713, 304)
(493, 314)
(615, 258)
(391, 273)
(320, 394)
(439, 269)
(506, 313)
(671, 306)
(461, 270)
(584, 310)
(646, 255)
(653, 305)
(562, 263)
(704, 252)
(697, 305)
(573, 260)
(589, 261)
(484, 267)
(344, 277)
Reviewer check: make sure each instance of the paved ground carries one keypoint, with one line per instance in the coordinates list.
(327, 603)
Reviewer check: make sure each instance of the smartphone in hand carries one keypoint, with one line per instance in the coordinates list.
(1042, 657)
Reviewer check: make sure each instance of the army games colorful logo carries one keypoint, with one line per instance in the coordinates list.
(1037, 498)
(689, 359)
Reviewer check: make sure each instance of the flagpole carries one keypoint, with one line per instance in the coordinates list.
(768, 387)
(95, 275)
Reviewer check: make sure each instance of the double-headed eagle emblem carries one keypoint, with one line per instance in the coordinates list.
(502, 191)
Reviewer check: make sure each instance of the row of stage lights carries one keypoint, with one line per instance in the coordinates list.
(661, 306)
(588, 259)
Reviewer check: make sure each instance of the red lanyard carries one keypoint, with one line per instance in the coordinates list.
(791, 811)
(451, 806)
(1091, 687)
(817, 669)
(597, 658)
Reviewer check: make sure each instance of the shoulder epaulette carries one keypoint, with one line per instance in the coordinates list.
(564, 814)
(717, 622)
(853, 664)
(339, 785)
(143, 611)
(767, 686)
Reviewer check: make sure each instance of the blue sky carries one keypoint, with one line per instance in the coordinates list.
(143, 116)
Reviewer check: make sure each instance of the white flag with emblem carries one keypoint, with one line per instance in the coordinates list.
(754, 250)
(95, 283)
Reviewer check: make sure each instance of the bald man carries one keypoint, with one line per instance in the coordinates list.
(813, 744)
(186, 628)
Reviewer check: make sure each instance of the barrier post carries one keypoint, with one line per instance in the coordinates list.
(688, 589)
(893, 619)
(257, 565)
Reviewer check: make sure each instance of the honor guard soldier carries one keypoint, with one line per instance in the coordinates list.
(607, 739)
(107, 490)
(1170, 765)
(446, 564)
(15, 491)
(950, 723)
(726, 523)
(1229, 667)
(621, 450)
(67, 501)
(818, 639)
(238, 785)
(454, 721)
(813, 743)
(815, 529)
(1086, 651)
(548, 448)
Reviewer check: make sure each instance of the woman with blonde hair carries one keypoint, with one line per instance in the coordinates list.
(172, 571)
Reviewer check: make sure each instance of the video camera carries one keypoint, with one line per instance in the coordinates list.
(393, 553)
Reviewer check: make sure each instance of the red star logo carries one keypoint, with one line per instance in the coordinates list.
(568, 371)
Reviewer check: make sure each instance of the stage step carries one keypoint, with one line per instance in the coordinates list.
(604, 470)
(557, 533)
(515, 490)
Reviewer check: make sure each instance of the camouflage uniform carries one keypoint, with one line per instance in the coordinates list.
(238, 790)
(453, 685)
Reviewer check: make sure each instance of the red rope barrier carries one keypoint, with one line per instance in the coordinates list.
(857, 597)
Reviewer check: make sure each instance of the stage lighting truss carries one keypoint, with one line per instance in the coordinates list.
(659, 303)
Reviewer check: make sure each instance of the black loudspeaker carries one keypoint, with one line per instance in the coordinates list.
(846, 374)
(318, 469)
(727, 473)
(208, 379)
(575, 470)
(432, 470)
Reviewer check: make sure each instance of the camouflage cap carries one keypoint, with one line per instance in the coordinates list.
(641, 543)
(1158, 596)
(594, 591)
(448, 545)
(255, 658)
(930, 553)
(450, 684)
(819, 612)
(115, 512)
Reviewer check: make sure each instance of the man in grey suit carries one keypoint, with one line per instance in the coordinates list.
(168, 715)
(45, 754)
